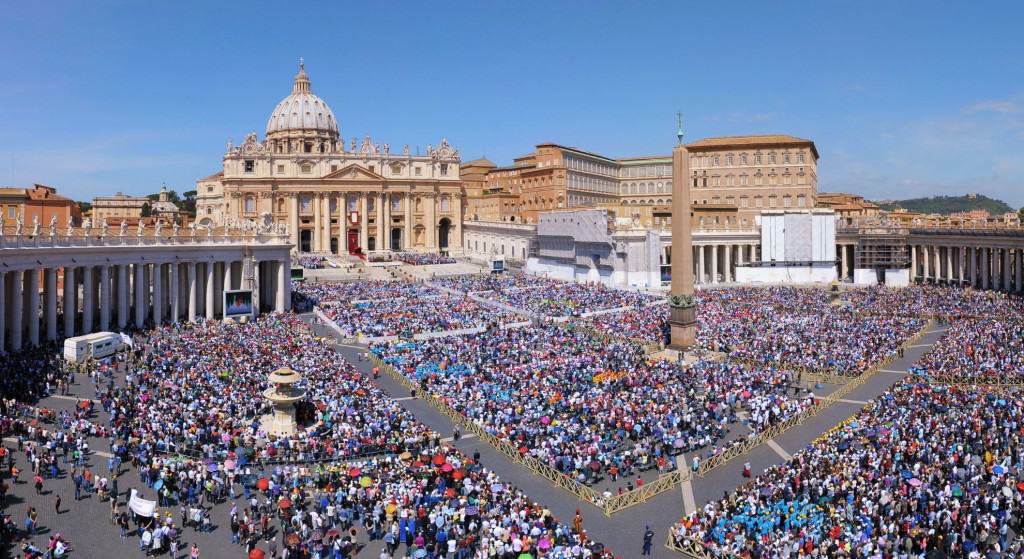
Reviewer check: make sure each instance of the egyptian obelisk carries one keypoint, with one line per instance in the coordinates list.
(683, 308)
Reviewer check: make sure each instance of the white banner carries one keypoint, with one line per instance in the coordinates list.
(127, 340)
(141, 506)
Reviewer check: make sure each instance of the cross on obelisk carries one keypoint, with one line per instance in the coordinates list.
(682, 307)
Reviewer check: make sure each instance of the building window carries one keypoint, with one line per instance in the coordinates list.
(305, 204)
(787, 201)
(396, 203)
(444, 169)
(757, 159)
(419, 171)
(785, 159)
(352, 203)
(250, 204)
(209, 189)
(308, 147)
(714, 161)
(728, 160)
(771, 201)
(758, 202)
(280, 169)
(307, 168)
(771, 158)
(743, 159)
(12, 212)
(249, 166)
(396, 169)
(334, 167)
(800, 158)
(801, 201)
(744, 202)
(743, 180)
(445, 204)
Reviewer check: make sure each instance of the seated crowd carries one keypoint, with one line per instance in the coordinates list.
(985, 350)
(370, 309)
(311, 261)
(549, 297)
(924, 471)
(588, 407)
(424, 258)
(934, 301)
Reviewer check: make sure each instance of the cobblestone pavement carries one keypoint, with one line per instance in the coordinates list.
(86, 524)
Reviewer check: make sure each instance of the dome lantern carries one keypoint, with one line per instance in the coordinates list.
(302, 113)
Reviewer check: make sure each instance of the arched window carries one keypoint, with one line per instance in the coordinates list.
(250, 204)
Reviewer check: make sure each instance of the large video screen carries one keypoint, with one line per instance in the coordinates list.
(238, 302)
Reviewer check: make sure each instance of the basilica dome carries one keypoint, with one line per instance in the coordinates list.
(302, 111)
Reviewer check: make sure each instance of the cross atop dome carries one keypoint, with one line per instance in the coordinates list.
(301, 79)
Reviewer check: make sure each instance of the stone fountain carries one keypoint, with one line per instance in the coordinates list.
(283, 394)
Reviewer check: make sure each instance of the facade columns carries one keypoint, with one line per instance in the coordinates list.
(70, 303)
(407, 243)
(1019, 265)
(328, 230)
(960, 264)
(926, 261)
(293, 222)
(33, 306)
(913, 263)
(17, 302)
(122, 296)
(228, 280)
(385, 241)
(364, 227)
(191, 288)
(1006, 269)
(430, 221)
(89, 296)
(938, 264)
(842, 270)
(50, 288)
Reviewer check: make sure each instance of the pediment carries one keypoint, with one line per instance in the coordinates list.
(354, 172)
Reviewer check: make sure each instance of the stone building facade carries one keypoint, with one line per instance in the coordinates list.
(332, 197)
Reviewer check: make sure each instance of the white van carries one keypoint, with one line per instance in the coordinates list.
(96, 346)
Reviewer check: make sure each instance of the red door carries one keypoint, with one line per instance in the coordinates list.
(353, 242)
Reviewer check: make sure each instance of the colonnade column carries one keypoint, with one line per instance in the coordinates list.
(33, 306)
(17, 301)
(1006, 269)
(122, 296)
(727, 272)
(430, 220)
(364, 227)
(281, 279)
(209, 291)
(140, 295)
(314, 239)
(50, 288)
(175, 297)
(844, 265)
(700, 264)
(228, 279)
(385, 223)
(714, 263)
(938, 263)
(985, 268)
(70, 303)
(158, 293)
(1019, 265)
(89, 288)
(191, 279)
(960, 261)
(3, 310)
(913, 263)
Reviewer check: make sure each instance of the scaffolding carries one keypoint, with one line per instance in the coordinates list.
(882, 248)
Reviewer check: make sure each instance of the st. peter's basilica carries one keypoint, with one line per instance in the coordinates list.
(331, 197)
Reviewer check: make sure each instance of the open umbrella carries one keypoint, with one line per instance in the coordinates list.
(497, 488)
(263, 484)
(365, 481)
(405, 455)
(438, 459)
(159, 483)
(420, 553)
(333, 533)
(257, 553)
(211, 467)
(544, 544)
(914, 482)
(998, 470)
(229, 464)
(317, 535)
(354, 472)
(446, 468)
(458, 474)
(472, 510)
(292, 539)
(284, 504)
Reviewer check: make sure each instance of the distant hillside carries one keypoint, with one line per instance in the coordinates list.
(948, 204)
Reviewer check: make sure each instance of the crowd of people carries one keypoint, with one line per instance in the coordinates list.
(590, 408)
(934, 301)
(985, 350)
(423, 258)
(375, 309)
(310, 261)
(924, 471)
(546, 296)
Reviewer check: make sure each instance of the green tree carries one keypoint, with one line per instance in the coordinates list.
(1020, 214)
(147, 210)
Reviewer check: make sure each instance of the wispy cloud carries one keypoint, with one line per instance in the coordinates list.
(1004, 106)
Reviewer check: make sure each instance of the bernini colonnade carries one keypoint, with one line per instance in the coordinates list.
(55, 285)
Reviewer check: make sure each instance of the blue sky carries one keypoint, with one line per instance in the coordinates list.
(903, 99)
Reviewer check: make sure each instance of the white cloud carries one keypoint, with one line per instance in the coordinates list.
(1004, 106)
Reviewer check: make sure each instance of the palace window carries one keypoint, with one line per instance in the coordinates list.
(249, 166)
(396, 203)
(352, 203)
(308, 147)
(771, 159)
(396, 169)
(371, 204)
(758, 202)
(714, 162)
(785, 159)
(757, 159)
(801, 201)
(744, 202)
(728, 160)
(743, 159)
(250, 204)
(305, 204)
(800, 158)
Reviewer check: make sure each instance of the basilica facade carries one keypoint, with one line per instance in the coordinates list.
(331, 197)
